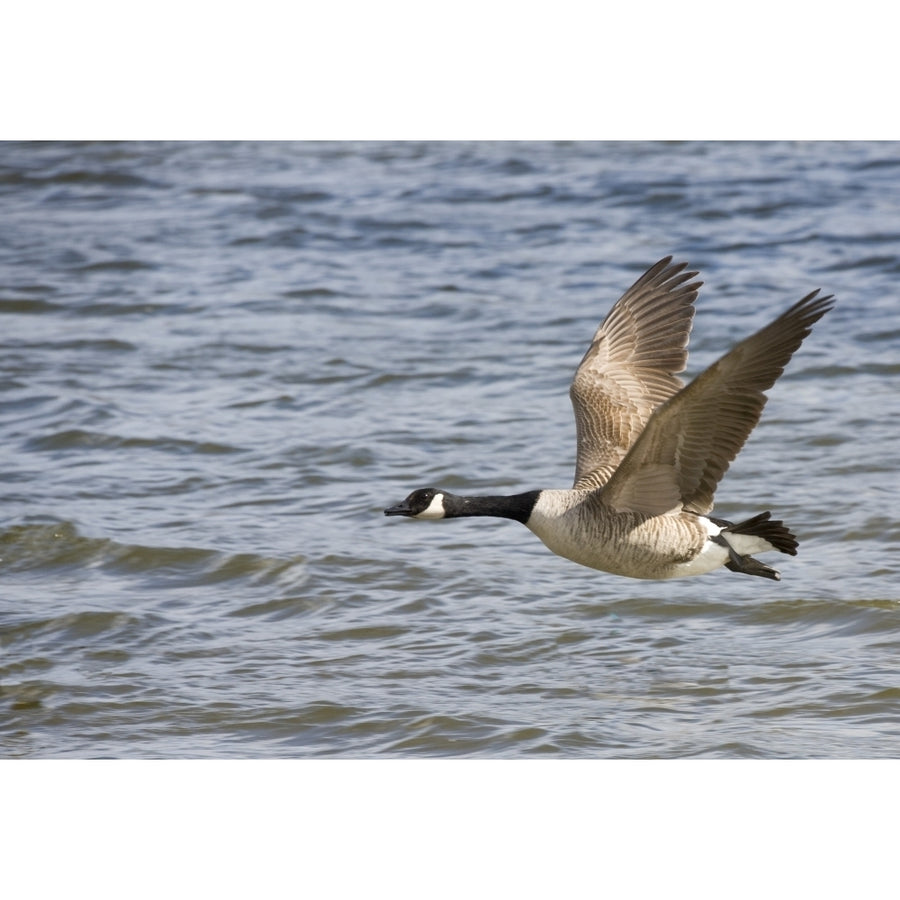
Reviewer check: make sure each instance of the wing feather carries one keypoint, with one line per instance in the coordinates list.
(691, 439)
(629, 368)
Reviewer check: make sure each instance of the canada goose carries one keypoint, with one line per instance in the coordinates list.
(651, 451)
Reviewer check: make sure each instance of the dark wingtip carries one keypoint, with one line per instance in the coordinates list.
(813, 307)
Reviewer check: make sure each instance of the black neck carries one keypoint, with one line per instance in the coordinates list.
(515, 506)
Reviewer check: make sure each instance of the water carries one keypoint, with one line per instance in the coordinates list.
(220, 362)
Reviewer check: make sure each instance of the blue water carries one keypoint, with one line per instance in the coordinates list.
(220, 362)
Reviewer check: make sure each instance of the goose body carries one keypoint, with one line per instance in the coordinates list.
(651, 452)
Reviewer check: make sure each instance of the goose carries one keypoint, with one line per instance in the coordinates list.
(650, 451)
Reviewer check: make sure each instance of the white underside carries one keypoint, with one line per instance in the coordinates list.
(714, 555)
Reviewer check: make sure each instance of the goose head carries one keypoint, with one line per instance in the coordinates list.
(425, 503)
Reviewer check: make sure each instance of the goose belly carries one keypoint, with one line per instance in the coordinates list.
(630, 544)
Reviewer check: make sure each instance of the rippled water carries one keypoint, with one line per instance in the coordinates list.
(220, 362)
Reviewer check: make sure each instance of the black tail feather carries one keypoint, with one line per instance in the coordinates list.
(772, 530)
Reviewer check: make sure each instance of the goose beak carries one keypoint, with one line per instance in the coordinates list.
(401, 509)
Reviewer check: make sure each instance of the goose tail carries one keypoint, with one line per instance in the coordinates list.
(756, 535)
(772, 531)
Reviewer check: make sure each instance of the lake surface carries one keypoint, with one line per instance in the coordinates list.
(220, 362)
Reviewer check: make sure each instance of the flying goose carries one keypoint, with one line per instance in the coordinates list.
(651, 451)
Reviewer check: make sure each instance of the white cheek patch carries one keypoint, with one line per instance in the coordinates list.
(435, 509)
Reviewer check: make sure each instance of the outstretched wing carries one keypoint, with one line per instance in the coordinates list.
(629, 369)
(690, 441)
